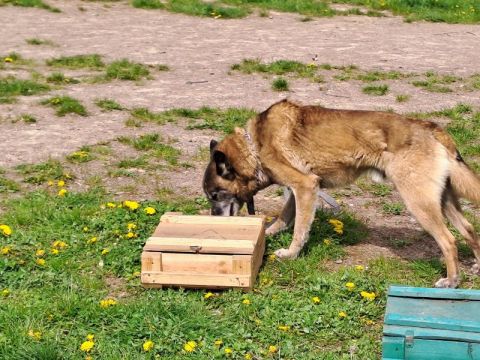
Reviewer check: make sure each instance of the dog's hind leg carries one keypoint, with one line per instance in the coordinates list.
(286, 216)
(453, 212)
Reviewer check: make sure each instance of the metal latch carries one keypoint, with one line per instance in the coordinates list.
(409, 338)
(195, 248)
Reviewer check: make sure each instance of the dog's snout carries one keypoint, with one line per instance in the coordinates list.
(217, 211)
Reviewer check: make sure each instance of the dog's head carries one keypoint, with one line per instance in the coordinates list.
(226, 189)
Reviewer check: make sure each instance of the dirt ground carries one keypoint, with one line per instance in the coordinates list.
(200, 52)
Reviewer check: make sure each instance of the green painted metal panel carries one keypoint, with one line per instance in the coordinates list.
(433, 293)
(445, 350)
(393, 348)
(432, 334)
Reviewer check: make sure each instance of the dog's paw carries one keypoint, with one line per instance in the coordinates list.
(446, 283)
(275, 228)
(285, 254)
(475, 269)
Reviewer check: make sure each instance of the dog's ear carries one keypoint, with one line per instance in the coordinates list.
(224, 168)
(213, 143)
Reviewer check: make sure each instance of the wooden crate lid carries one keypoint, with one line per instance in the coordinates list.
(448, 314)
(206, 234)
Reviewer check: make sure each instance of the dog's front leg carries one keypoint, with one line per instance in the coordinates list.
(286, 216)
(305, 194)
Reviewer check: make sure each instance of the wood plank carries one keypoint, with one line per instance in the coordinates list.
(196, 280)
(151, 261)
(200, 263)
(189, 245)
(257, 258)
(212, 220)
(241, 264)
(208, 231)
(434, 293)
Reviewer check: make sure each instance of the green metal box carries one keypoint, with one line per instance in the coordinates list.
(431, 324)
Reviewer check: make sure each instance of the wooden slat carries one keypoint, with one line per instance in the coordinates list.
(151, 261)
(212, 220)
(196, 280)
(257, 258)
(207, 231)
(199, 263)
(241, 264)
(189, 245)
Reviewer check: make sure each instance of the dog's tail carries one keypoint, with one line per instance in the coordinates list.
(465, 182)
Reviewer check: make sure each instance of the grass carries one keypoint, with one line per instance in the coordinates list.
(155, 145)
(401, 98)
(148, 4)
(126, 70)
(436, 83)
(8, 185)
(27, 118)
(138, 162)
(40, 173)
(11, 87)
(60, 300)
(376, 90)
(30, 3)
(279, 67)
(90, 61)
(393, 208)
(37, 41)
(65, 105)
(280, 84)
(59, 78)
(108, 104)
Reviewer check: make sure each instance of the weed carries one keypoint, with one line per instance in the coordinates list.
(376, 90)
(65, 105)
(148, 4)
(92, 61)
(36, 41)
(8, 186)
(139, 162)
(31, 3)
(11, 87)
(402, 98)
(81, 156)
(27, 118)
(59, 78)
(280, 84)
(126, 70)
(108, 104)
(40, 173)
(393, 208)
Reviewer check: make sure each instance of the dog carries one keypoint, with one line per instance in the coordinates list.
(308, 148)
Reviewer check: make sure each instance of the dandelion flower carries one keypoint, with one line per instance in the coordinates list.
(150, 210)
(87, 346)
(228, 351)
(248, 356)
(41, 262)
(6, 250)
(272, 257)
(369, 322)
(5, 292)
(218, 342)
(106, 303)
(315, 299)
(136, 274)
(50, 183)
(85, 229)
(246, 302)
(131, 226)
(8, 59)
(6, 230)
(284, 327)
(368, 295)
(350, 286)
(105, 251)
(342, 314)
(272, 349)
(130, 235)
(35, 335)
(208, 295)
(190, 346)
(148, 345)
(92, 240)
(59, 244)
(327, 242)
(62, 192)
(90, 337)
(54, 251)
(40, 252)
(111, 205)
(132, 205)
(60, 183)
(359, 267)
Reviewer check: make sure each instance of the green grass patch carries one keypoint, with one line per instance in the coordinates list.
(8, 185)
(393, 208)
(154, 144)
(222, 120)
(450, 11)
(138, 162)
(37, 41)
(279, 67)
(40, 173)
(30, 3)
(27, 118)
(295, 306)
(126, 70)
(436, 83)
(148, 4)
(377, 75)
(11, 87)
(91, 61)
(401, 98)
(65, 105)
(280, 84)
(376, 90)
(81, 156)
(207, 9)
(108, 104)
(59, 78)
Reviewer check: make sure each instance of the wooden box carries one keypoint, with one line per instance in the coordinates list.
(204, 252)
(431, 324)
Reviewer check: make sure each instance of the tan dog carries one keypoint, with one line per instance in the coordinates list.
(310, 147)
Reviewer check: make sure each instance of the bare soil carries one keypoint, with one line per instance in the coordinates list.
(200, 52)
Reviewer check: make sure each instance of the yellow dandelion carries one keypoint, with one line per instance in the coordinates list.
(8, 59)
(342, 314)
(41, 262)
(228, 351)
(218, 342)
(132, 205)
(6, 230)
(272, 257)
(92, 240)
(136, 274)
(85, 229)
(60, 183)
(105, 251)
(50, 183)
(6, 250)
(54, 251)
(272, 349)
(369, 322)
(150, 210)
(62, 192)
(87, 346)
(106, 303)
(359, 267)
(350, 286)
(90, 337)
(327, 242)
(283, 327)
(111, 205)
(246, 302)
(35, 335)
(40, 252)
(131, 226)
(5, 292)
(131, 235)
(190, 346)
(59, 244)
(208, 295)
(148, 345)
(368, 295)
(248, 356)
(315, 299)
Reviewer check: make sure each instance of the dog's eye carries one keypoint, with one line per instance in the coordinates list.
(214, 197)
